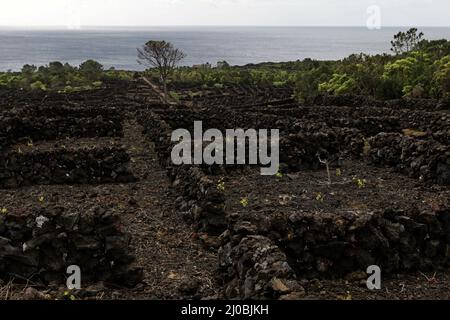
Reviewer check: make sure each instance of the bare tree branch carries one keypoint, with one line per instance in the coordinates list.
(161, 55)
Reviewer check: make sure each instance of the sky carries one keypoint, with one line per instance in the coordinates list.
(80, 13)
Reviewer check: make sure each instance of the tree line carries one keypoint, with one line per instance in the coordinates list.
(57, 76)
(417, 68)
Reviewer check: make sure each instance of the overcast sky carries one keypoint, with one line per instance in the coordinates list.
(221, 12)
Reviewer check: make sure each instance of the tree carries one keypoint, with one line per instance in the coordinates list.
(161, 55)
(91, 70)
(410, 74)
(223, 65)
(406, 41)
(55, 74)
(441, 78)
(307, 81)
(28, 72)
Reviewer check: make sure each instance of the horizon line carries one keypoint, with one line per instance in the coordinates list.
(66, 27)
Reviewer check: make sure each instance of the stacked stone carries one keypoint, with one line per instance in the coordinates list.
(40, 243)
(64, 166)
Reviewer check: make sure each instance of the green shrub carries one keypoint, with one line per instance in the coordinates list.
(441, 78)
(91, 70)
(38, 85)
(339, 84)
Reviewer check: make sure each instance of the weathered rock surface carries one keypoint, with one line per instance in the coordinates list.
(41, 243)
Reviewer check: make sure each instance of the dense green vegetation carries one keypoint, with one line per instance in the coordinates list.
(421, 72)
(239, 75)
(61, 77)
(417, 68)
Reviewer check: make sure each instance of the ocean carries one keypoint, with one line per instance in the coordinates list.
(116, 47)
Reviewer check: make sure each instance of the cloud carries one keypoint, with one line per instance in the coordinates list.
(221, 12)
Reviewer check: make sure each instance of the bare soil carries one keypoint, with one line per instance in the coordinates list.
(175, 265)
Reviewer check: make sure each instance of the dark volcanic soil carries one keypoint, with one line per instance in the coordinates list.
(175, 264)
(432, 286)
(309, 191)
(355, 188)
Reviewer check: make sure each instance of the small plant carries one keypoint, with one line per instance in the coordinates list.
(320, 197)
(284, 199)
(244, 202)
(174, 95)
(68, 296)
(366, 147)
(4, 211)
(338, 172)
(347, 296)
(361, 183)
(41, 199)
(221, 185)
(279, 174)
(327, 165)
(30, 143)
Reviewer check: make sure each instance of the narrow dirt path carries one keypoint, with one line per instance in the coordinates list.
(159, 92)
(175, 265)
